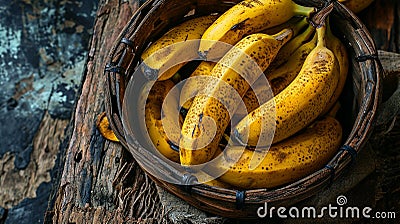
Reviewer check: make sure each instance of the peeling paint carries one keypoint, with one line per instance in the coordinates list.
(34, 43)
(43, 50)
(19, 184)
(9, 41)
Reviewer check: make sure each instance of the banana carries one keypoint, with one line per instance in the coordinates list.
(298, 104)
(285, 162)
(103, 125)
(244, 18)
(159, 120)
(356, 5)
(279, 78)
(259, 94)
(159, 61)
(206, 179)
(291, 47)
(191, 86)
(209, 115)
(297, 23)
(282, 76)
(340, 52)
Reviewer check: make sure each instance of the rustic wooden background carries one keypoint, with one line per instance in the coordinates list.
(54, 165)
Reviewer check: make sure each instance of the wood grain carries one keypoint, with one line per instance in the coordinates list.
(100, 182)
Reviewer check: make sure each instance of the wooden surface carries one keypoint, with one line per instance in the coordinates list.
(43, 48)
(96, 181)
(100, 181)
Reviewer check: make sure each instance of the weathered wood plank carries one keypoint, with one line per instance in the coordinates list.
(100, 181)
(43, 49)
(33, 181)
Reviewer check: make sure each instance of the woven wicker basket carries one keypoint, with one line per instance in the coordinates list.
(360, 102)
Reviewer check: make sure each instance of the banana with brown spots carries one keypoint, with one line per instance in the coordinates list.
(247, 17)
(162, 127)
(279, 78)
(285, 162)
(160, 57)
(194, 83)
(298, 105)
(209, 114)
(356, 5)
(340, 52)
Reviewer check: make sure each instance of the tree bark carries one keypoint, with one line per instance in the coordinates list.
(100, 181)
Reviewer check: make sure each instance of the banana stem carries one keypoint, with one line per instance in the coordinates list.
(309, 32)
(321, 31)
(297, 27)
(304, 10)
(319, 18)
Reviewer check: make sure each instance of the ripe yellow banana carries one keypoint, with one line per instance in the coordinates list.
(297, 23)
(259, 94)
(340, 52)
(279, 78)
(160, 60)
(191, 86)
(298, 104)
(244, 18)
(285, 162)
(250, 99)
(292, 45)
(159, 120)
(356, 5)
(209, 114)
(103, 125)
(283, 75)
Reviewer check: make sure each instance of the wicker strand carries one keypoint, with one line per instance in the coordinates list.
(351, 151)
(240, 195)
(362, 58)
(127, 42)
(332, 173)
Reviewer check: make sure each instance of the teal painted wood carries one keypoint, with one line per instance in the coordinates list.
(43, 49)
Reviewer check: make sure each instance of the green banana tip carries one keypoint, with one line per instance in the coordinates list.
(304, 10)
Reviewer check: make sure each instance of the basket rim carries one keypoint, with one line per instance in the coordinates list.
(370, 69)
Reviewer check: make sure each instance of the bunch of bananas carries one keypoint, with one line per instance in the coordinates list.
(276, 75)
